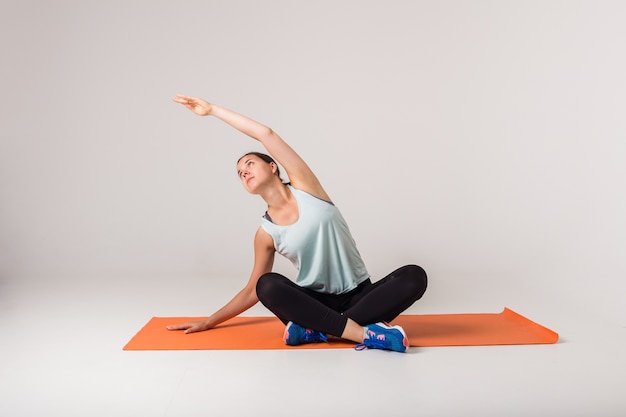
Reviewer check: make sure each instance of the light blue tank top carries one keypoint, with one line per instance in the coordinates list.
(320, 246)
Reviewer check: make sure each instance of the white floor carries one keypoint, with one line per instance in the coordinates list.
(62, 356)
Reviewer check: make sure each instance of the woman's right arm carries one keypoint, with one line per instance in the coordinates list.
(246, 298)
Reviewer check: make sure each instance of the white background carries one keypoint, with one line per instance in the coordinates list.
(482, 140)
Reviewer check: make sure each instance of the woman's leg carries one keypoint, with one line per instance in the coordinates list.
(387, 298)
(309, 309)
(290, 302)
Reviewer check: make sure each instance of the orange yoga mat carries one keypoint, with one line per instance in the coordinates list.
(242, 333)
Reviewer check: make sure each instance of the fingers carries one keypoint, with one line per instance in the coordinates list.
(179, 98)
(183, 326)
(187, 327)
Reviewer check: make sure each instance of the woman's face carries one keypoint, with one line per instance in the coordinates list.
(253, 171)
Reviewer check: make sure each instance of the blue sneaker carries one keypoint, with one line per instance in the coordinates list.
(296, 335)
(383, 336)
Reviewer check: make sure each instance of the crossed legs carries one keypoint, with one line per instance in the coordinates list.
(343, 315)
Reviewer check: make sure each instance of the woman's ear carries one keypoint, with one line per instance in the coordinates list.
(274, 167)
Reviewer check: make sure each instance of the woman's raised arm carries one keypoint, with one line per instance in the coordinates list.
(300, 175)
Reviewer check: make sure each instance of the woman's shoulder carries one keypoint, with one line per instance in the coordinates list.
(307, 194)
(263, 239)
(313, 188)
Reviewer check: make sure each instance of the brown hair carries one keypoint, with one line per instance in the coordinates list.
(263, 157)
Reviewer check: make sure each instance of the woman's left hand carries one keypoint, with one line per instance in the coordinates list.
(196, 105)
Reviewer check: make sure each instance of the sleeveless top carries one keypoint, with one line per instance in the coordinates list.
(319, 245)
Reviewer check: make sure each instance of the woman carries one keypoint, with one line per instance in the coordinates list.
(333, 293)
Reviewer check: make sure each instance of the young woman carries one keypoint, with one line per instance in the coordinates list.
(333, 293)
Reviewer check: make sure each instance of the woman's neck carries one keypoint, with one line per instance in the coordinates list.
(277, 197)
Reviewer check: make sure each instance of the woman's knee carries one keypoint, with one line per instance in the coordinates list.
(267, 285)
(415, 279)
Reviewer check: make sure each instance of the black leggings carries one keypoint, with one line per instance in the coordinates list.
(366, 304)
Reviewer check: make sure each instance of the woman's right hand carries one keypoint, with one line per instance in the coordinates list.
(196, 105)
(191, 326)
